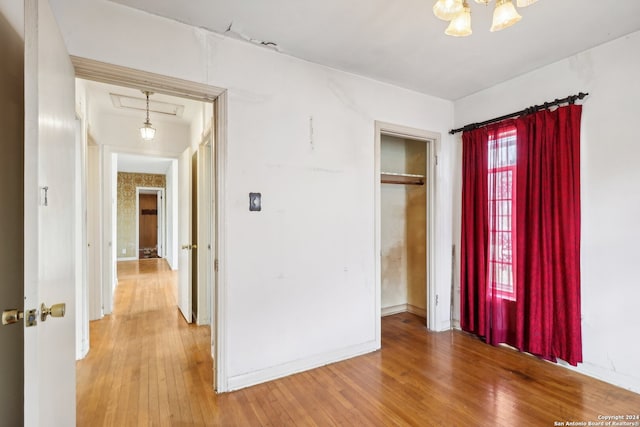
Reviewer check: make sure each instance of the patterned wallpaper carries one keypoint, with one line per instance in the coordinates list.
(127, 184)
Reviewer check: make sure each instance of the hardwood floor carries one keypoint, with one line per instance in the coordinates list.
(148, 367)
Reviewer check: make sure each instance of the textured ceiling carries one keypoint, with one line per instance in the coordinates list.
(401, 42)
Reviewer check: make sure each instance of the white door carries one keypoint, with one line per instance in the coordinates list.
(204, 251)
(160, 223)
(49, 346)
(184, 234)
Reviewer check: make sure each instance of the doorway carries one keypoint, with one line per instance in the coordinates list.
(403, 226)
(215, 97)
(405, 162)
(151, 224)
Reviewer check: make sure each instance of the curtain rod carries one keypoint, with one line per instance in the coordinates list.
(571, 99)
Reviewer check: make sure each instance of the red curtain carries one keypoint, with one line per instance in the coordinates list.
(475, 232)
(548, 234)
(543, 315)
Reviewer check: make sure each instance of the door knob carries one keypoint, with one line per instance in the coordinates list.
(186, 247)
(194, 246)
(56, 310)
(11, 316)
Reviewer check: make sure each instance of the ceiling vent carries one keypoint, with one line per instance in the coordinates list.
(134, 103)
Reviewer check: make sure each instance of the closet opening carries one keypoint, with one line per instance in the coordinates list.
(403, 209)
(405, 238)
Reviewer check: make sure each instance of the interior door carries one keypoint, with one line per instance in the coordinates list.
(204, 219)
(11, 214)
(49, 346)
(161, 224)
(184, 234)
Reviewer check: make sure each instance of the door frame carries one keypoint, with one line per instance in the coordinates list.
(90, 69)
(161, 243)
(432, 142)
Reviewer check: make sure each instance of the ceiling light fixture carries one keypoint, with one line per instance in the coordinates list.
(447, 9)
(458, 13)
(146, 131)
(460, 25)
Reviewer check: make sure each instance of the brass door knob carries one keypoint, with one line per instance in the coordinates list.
(11, 316)
(56, 310)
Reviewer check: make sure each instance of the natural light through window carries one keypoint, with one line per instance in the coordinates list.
(502, 174)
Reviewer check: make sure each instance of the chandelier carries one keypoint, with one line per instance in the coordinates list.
(458, 13)
(147, 132)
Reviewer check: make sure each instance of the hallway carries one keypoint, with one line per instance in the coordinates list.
(147, 366)
(145, 361)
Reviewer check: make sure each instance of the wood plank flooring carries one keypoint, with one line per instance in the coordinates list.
(148, 367)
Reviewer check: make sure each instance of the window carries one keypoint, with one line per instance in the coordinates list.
(502, 176)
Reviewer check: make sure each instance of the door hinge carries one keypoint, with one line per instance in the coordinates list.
(436, 160)
(437, 298)
(215, 265)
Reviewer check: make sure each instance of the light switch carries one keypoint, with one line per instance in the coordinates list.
(255, 202)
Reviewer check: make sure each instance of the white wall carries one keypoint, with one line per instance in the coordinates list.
(610, 197)
(300, 273)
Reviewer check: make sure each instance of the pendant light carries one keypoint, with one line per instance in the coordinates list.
(504, 15)
(525, 3)
(460, 25)
(447, 9)
(146, 131)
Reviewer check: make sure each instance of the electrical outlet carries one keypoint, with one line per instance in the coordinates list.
(124, 251)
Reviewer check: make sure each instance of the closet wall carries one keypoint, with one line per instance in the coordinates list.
(403, 224)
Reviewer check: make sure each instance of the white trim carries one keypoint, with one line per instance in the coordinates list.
(130, 258)
(91, 69)
(403, 308)
(124, 76)
(432, 140)
(394, 309)
(257, 377)
(603, 374)
(219, 295)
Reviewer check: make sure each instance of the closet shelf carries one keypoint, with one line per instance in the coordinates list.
(401, 178)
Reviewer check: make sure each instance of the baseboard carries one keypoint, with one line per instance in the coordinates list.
(394, 309)
(417, 311)
(403, 308)
(203, 321)
(620, 380)
(131, 258)
(617, 379)
(252, 378)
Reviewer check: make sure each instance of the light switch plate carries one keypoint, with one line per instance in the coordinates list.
(255, 201)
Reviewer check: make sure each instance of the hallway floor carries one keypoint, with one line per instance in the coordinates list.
(147, 366)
